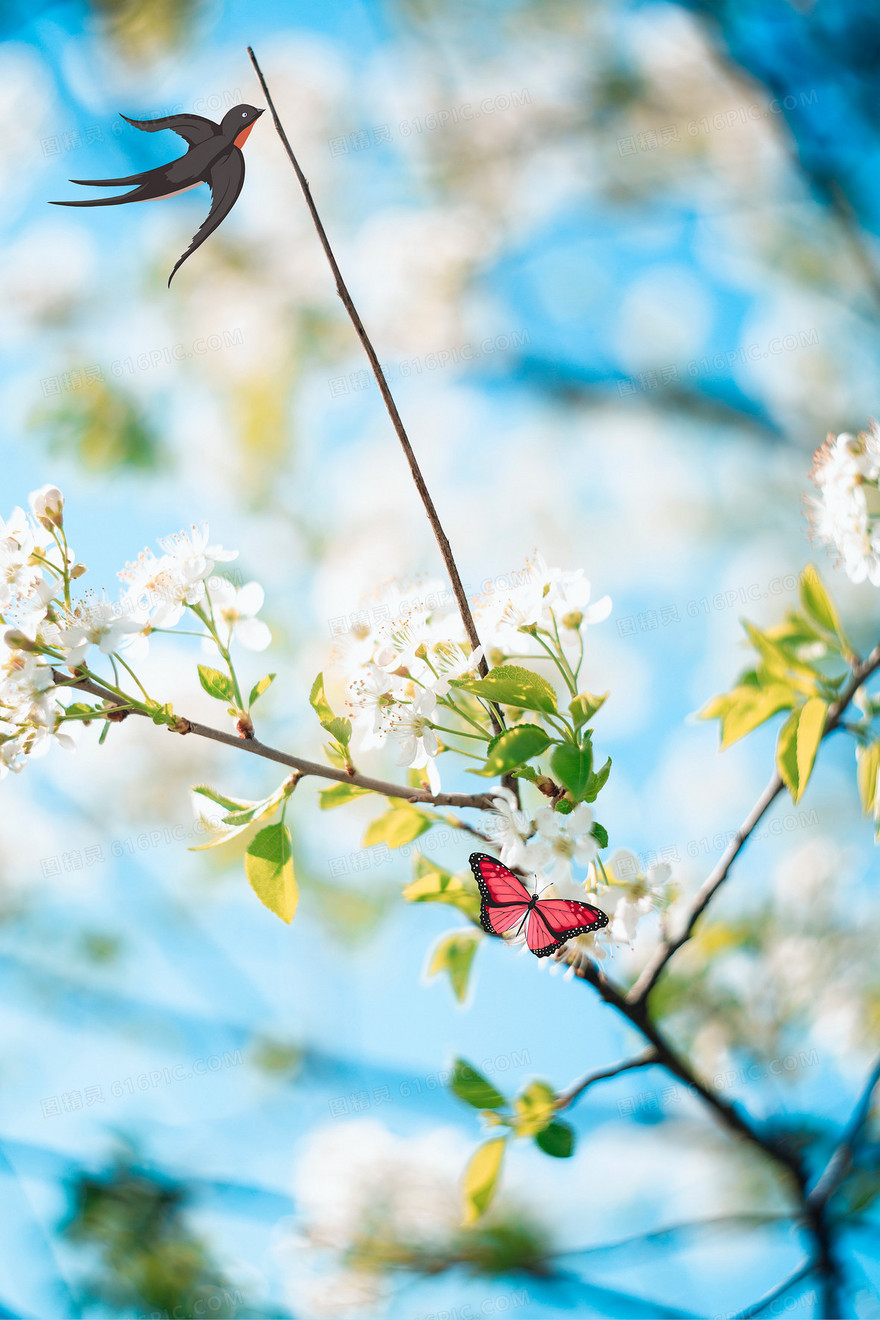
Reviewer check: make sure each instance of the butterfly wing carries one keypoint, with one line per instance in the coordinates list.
(505, 897)
(552, 921)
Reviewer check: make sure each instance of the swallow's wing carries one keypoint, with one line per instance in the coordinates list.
(225, 179)
(192, 128)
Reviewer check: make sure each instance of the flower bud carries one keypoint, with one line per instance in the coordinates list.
(46, 505)
(17, 641)
(78, 570)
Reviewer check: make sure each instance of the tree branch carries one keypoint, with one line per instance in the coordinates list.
(396, 421)
(654, 968)
(776, 1293)
(841, 1161)
(571, 1093)
(668, 1057)
(480, 801)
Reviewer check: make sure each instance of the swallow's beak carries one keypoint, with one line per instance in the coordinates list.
(260, 112)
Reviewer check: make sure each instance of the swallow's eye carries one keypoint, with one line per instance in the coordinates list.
(244, 114)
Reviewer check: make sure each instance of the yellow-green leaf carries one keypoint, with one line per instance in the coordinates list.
(798, 743)
(585, 706)
(454, 954)
(811, 726)
(786, 753)
(399, 825)
(747, 707)
(867, 769)
(318, 702)
(339, 794)
(535, 1107)
(819, 605)
(268, 865)
(434, 884)
(216, 684)
(481, 1178)
(259, 688)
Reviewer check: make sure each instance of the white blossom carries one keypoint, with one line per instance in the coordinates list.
(236, 607)
(846, 471)
(562, 840)
(95, 622)
(47, 505)
(411, 726)
(507, 828)
(632, 893)
(369, 703)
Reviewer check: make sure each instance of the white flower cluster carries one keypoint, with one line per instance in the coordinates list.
(400, 667)
(46, 628)
(552, 845)
(846, 471)
(367, 1197)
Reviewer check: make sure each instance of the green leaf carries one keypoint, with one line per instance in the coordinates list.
(318, 702)
(819, 605)
(340, 729)
(512, 748)
(572, 767)
(473, 1088)
(867, 769)
(240, 814)
(584, 707)
(599, 832)
(798, 743)
(400, 824)
(268, 865)
(82, 708)
(335, 755)
(259, 688)
(229, 803)
(556, 1139)
(339, 794)
(535, 1108)
(336, 725)
(434, 884)
(786, 753)
(454, 954)
(216, 684)
(598, 782)
(481, 1178)
(512, 685)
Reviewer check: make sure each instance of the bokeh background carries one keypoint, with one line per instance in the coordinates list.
(621, 263)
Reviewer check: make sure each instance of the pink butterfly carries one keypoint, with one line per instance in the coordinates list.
(548, 922)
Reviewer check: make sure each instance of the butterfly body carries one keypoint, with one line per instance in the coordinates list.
(507, 905)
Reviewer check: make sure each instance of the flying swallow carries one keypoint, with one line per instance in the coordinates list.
(214, 157)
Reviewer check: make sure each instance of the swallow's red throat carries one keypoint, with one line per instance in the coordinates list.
(242, 137)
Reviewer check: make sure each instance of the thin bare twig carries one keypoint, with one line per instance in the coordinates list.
(396, 421)
(841, 1161)
(571, 1093)
(774, 1295)
(480, 801)
(654, 968)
